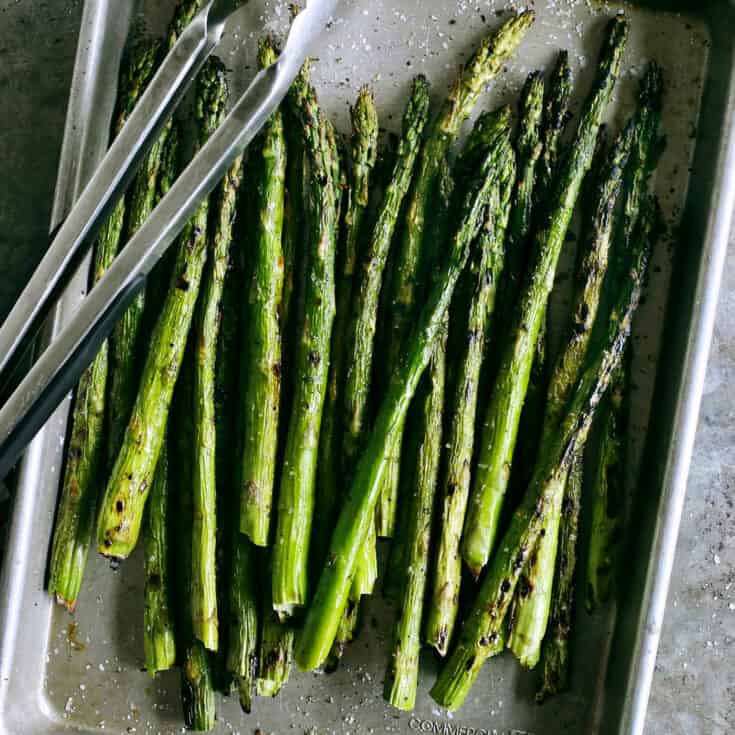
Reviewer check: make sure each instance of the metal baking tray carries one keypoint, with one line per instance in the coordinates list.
(83, 674)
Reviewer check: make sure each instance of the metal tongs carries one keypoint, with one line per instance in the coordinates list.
(58, 368)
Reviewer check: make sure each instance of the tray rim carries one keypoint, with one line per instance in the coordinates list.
(81, 149)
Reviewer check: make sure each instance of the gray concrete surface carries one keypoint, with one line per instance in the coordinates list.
(694, 687)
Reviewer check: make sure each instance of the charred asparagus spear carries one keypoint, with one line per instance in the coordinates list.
(296, 496)
(197, 690)
(363, 153)
(327, 606)
(126, 335)
(531, 619)
(159, 639)
(242, 654)
(261, 392)
(481, 632)
(556, 116)
(84, 465)
(227, 445)
(276, 649)
(206, 332)
(486, 266)
(607, 490)
(401, 677)
(503, 413)
(528, 148)
(127, 490)
(407, 280)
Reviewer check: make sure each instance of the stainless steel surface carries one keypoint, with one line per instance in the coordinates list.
(697, 56)
(55, 372)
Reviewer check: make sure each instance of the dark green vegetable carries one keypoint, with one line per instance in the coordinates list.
(326, 609)
(482, 630)
(263, 344)
(500, 425)
(486, 266)
(159, 640)
(408, 282)
(127, 489)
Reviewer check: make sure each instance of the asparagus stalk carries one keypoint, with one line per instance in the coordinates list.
(206, 331)
(197, 691)
(607, 490)
(528, 148)
(296, 497)
(127, 489)
(401, 676)
(483, 627)
(81, 485)
(261, 392)
(159, 640)
(531, 620)
(276, 650)
(227, 431)
(363, 154)
(407, 281)
(242, 654)
(500, 425)
(486, 267)
(125, 337)
(325, 610)
(556, 116)
(555, 650)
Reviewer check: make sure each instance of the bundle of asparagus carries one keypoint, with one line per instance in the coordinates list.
(246, 445)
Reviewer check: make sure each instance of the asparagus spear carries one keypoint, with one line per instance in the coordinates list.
(528, 147)
(205, 332)
(531, 619)
(75, 517)
(126, 334)
(261, 392)
(363, 154)
(296, 497)
(158, 625)
(530, 613)
(197, 691)
(556, 116)
(401, 677)
(607, 490)
(276, 650)
(325, 610)
(407, 281)
(242, 654)
(503, 413)
(127, 489)
(227, 431)
(159, 631)
(486, 267)
(482, 629)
